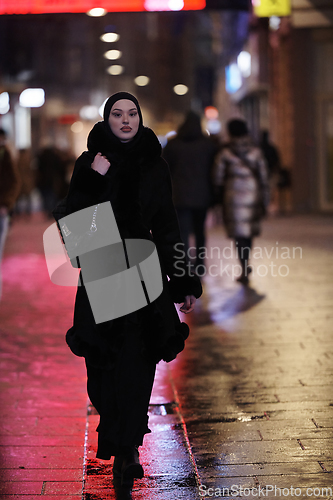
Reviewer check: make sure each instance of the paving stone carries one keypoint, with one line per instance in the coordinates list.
(41, 474)
(45, 497)
(47, 441)
(261, 469)
(62, 487)
(21, 487)
(37, 457)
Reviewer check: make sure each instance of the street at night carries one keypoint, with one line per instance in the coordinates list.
(166, 249)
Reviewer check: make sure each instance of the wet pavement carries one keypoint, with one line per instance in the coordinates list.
(246, 410)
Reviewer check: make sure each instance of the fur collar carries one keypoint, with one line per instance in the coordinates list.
(148, 148)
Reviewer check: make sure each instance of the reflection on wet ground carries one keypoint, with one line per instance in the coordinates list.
(247, 405)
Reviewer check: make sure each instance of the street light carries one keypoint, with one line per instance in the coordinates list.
(110, 37)
(32, 98)
(115, 69)
(113, 54)
(141, 80)
(29, 98)
(180, 89)
(97, 12)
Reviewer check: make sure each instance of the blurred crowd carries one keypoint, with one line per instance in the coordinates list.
(233, 177)
(40, 180)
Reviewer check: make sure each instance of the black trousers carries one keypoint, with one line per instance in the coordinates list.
(121, 396)
(192, 220)
(244, 246)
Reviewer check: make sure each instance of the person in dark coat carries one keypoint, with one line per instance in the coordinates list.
(190, 156)
(50, 177)
(240, 169)
(27, 175)
(271, 154)
(9, 189)
(123, 165)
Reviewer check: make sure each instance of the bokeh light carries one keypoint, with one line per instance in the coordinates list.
(97, 12)
(211, 113)
(4, 103)
(89, 112)
(180, 89)
(110, 37)
(32, 98)
(141, 80)
(115, 69)
(112, 54)
(244, 63)
(176, 4)
(77, 127)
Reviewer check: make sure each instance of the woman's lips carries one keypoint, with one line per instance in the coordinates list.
(126, 129)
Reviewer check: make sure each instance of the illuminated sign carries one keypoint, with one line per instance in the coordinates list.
(233, 78)
(57, 6)
(268, 8)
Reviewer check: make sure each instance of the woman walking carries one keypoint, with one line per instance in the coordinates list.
(123, 165)
(241, 171)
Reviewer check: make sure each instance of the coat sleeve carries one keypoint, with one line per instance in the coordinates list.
(170, 247)
(219, 169)
(87, 187)
(218, 178)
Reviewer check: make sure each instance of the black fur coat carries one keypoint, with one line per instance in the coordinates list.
(138, 185)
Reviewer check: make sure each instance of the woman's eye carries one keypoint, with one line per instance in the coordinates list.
(133, 114)
(116, 114)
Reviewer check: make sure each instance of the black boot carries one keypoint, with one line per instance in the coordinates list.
(131, 467)
(127, 465)
(117, 464)
(244, 277)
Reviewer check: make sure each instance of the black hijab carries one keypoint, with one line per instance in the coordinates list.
(115, 141)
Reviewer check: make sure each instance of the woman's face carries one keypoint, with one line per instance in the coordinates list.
(124, 120)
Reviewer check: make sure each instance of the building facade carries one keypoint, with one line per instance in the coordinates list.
(290, 93)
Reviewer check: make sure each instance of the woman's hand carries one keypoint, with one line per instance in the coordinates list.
(101, 164)
(188, 305)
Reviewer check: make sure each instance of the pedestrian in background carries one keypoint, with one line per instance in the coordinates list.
(273, 162)
(50, 177)
(241, 172)
(190, 156)
(123, 165)
(271, 155)
(9, 190)
(278, 175)
(28, 182)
